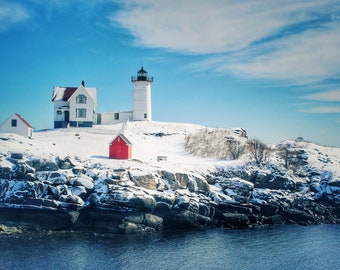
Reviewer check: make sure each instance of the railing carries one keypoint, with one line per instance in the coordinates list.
(142, 78)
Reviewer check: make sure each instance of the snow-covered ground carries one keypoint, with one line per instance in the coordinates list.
(149, 139)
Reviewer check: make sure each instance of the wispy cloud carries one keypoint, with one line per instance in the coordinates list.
(305, 57)
(330, 96)
(11, 14)
(323, 109)
(285, 39)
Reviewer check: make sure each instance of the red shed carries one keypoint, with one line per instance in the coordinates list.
(120, 148)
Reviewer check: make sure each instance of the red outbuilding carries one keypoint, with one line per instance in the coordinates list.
(120, 148)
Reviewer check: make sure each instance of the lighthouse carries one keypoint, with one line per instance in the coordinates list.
(142, 96)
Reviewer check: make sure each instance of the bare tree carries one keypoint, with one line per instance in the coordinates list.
(258, 150)
(286, 154)
(235, 148)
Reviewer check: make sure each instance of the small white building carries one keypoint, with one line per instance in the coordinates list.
(74, 106)
(18, 125)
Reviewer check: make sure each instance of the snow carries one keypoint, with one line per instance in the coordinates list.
(150, 140)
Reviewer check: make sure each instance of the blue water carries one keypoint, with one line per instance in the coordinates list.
(282, 247)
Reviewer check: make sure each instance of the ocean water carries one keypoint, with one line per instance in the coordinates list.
(281, 247)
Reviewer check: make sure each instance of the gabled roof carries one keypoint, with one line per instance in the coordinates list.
(65, 93)
(20, 118)
(23, 120)
(123, 137)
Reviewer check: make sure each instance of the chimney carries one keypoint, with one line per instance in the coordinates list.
(83, 83)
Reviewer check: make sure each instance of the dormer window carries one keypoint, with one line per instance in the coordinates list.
(81, 99)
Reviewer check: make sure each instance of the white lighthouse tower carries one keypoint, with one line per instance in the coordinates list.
(142, 96)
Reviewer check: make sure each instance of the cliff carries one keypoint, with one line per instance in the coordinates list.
(47, 184)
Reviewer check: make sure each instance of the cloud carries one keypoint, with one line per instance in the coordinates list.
(207, 26)
(11, 14)
(307, 57)
(324, 109)
(285, 39)
(329, 96)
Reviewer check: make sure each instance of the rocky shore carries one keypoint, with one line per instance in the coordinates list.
(66, 194)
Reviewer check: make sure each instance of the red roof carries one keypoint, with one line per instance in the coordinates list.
(23, 120)
(69, 92)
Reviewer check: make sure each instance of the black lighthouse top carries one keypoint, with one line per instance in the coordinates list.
(142, 75)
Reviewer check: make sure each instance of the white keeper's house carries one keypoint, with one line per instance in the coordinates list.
(75, 106)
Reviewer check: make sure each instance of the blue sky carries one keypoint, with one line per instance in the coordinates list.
(271, 67)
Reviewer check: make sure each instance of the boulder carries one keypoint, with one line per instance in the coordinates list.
(238, 189)
(73, 199)
(170, 179)
(300, 217)
(57, 178)
(83, 180)
(235, 220)
(146, 181)
(16, 155)
(272, 178)
(199, 185)
(19, 170)
(144, 203)
(66, 163)
(6, 172)
(43, 164)
(183, 181)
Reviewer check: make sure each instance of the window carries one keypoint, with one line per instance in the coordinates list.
(14, 122)
(59, 113)
(81, 113)
(81, 99)
(145, 115)
(116, 116)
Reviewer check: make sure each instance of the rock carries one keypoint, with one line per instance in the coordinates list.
(129, 227)
(71, 199)
(238, 189)
(236, 208)
(144, 203)
(236, 220)
(199, 185)
(153, 221)
(185, 219)
(49, 166)
(83, 180)
(78, 170)
(6, 172)
(79, 191)
(57, 178)
(298, 217)
(43, 164)
(30, 177)
(183, 181)
(66, 163)
(170, 178)
(146, 181)
(274, 220)
(16, 155)
(4, 184)
(42, 202)
(272, 179)
(39, 218)
(19, 171)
